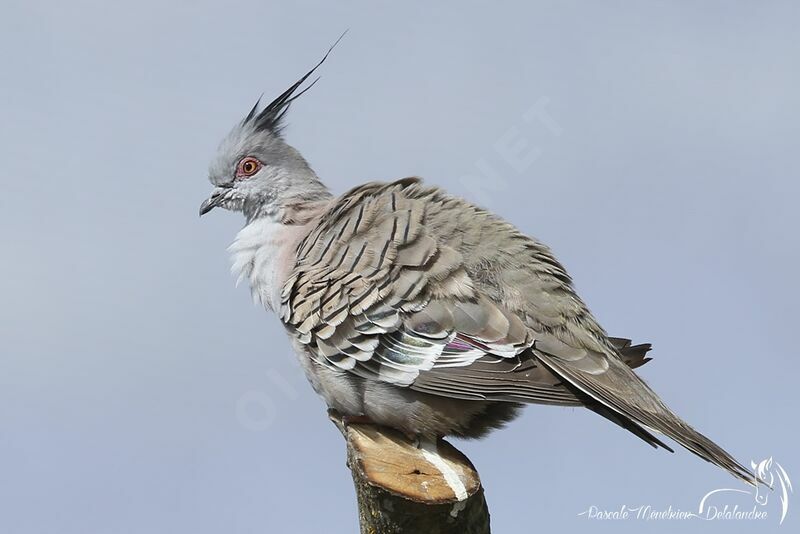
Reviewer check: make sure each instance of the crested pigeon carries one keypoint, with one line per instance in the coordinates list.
(418, 310)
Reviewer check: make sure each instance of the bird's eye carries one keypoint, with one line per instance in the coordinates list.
(248, 167)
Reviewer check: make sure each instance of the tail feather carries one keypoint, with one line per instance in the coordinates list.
(633, 355)
(627, 424)
(622, 397)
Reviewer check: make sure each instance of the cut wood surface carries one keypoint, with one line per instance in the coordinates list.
(405, 485)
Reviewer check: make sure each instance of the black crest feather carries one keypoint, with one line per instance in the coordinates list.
(271, 117)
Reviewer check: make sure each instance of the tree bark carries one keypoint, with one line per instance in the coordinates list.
(405, 486)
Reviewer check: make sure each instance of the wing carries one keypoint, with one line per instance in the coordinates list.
(376, 291)
(382, 290)
(405, 284)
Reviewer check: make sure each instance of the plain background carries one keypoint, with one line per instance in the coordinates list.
(141, 393)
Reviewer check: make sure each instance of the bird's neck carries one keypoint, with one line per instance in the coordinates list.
(275, 227)
(300, 194)
(263, 252)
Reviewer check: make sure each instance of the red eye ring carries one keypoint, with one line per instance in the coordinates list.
(248, 167)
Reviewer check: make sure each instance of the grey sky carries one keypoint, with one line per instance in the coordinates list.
(141, 393)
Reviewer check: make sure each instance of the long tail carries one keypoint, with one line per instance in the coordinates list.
(621, 396)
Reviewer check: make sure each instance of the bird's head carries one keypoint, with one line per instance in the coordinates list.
(255, 171)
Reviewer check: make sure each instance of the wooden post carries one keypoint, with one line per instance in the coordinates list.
(408, 487)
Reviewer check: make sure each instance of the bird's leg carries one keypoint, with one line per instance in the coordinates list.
(344, 420)
(413, 437)
(361, 419)
(357, 419)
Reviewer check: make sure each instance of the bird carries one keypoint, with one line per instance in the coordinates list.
(417, 310)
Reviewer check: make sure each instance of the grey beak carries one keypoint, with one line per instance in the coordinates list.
(213, 201)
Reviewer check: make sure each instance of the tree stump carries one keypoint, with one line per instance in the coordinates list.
(405, 486)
